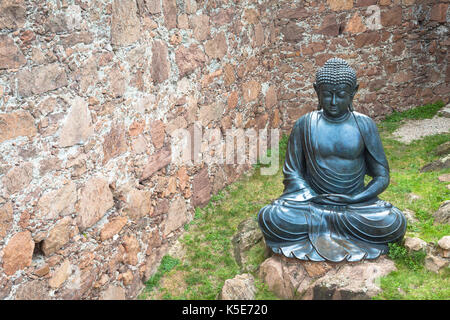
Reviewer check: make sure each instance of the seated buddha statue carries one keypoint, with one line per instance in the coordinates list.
(326, 211)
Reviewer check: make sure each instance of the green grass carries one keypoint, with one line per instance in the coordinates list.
(167, 264)
(413, 260)
(406, 284)
(405, 162)
(209, 261)
(412, 281)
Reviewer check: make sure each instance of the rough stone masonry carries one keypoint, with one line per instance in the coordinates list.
(92, 91)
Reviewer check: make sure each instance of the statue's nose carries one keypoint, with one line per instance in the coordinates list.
(333, 100)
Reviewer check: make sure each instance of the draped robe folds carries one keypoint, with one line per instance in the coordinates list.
(297, 227)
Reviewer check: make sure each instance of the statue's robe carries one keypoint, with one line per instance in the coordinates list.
(296, 227)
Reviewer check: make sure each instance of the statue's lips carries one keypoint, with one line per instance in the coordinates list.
(333, 109)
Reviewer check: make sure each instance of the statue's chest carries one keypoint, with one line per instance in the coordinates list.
(342, 140)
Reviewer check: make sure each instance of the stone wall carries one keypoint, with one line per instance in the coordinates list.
(92, 92)
(399, 49)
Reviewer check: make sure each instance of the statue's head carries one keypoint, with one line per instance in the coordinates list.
(335, 87)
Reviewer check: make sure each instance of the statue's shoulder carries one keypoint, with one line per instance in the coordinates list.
(361, 115)
(366, 121)
(302, 120)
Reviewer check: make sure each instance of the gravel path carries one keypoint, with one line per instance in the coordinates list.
(417, 129)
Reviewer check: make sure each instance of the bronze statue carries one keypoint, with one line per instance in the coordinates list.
(326, 212)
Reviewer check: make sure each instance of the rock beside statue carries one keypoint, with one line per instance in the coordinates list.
(247, 236)
(241, 287)
(440, 164)
(442, 215)
(304, 280)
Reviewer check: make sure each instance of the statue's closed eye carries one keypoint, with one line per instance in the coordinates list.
(340, 94)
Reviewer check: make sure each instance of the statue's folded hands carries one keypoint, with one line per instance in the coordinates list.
(334, 199)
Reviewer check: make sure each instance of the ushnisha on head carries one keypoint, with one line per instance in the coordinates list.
(336, 71)
(336, 86)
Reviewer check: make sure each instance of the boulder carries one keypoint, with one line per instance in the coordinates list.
(443, 149)
(340, 5)
(410, 216)
(241, 287)
(355, 24)
(415, 244)
(413, 197)
(132, 248)
(292, 32)
(442, 215)
(247, 236)
(286, 278)
(157, 133)
(443, 163)
(434, 263)
(444, 243)
(296, 279)
(445, 112)
(355, 281)
(444, 246)
(78, 283)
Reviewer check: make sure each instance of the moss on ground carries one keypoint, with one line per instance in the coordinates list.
(209, 251)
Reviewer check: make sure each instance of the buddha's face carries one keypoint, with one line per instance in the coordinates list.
(335, 99)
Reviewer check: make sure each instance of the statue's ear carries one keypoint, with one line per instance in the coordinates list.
(316, 88)
(355, 90)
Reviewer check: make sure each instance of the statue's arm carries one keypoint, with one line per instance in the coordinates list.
(379, 182)
(294, 164)
(376, 162)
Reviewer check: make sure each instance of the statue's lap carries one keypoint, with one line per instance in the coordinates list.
(290, 220)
